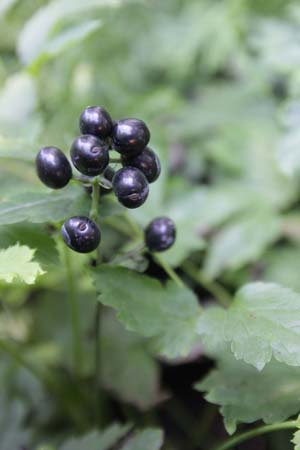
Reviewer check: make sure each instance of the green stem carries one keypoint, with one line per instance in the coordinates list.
(218, 291)
(97, 360)
(94, 213)
(9, 349)
(75, 321)
(139, 250)
(236, 440)
(168, 269)
(115, 160)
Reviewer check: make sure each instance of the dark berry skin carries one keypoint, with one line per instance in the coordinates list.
(81, 234)
(96, 121)
(53, 168)
(147, 161)
(131, 187)
(89, 155)
(160, 234)
(130, 136)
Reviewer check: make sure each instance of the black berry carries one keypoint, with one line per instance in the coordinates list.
(131, 187)
(81, 234)
(147, 161)
(130, 136)
(89, 155)
(53, 168)
(96, 121)
(160, 234)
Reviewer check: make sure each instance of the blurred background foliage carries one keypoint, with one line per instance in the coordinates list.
(218, 83)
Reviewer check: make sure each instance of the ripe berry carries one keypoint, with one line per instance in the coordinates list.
(81, 234)
(147, 161)
(131, 187)
(96, 121)
(160, 234)
(130, 136)
(89, 155)
(53, 168)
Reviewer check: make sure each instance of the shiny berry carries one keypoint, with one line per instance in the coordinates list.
(160, 234)
(89, 155)
(130, 136)
(96, 121)
(53, 168)
(147, 161)
(81, 234)
(131, 187)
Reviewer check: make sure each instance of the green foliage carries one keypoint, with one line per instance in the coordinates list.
(218, 83)
(42, 208)
(247, 395)
(260, 323)
(16, 263)
(167, 314)
(98, 440)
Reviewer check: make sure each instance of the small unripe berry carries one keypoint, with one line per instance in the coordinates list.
(147, 162)
(160, 234)
(53, 167)
(89, 155)
(95, 120)
(130, 136)
(131, 187)
(81, 234)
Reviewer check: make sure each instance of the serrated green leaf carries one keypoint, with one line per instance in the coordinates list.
(97, 440)
(148, 439)
(16, 264)
(296, 440)
(130, 372)
(247, 395)
(168, 314)
(42, 208)
(241, 241)
(262, 322)
(34, 236)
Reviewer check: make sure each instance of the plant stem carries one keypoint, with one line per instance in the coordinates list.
(9, 349)
(230, 443)
(115, 160)
(168, 269)
(94, 214)
(138, 250)
(75, 322)
(218, 291)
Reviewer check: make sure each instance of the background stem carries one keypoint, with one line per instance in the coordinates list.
(74, 313)
(218, 291)
(230, 443)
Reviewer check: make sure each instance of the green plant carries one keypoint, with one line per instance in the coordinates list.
(117, 348)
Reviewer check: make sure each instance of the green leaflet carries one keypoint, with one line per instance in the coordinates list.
(168, 314)
(262, 322)
(241, 241)
(246, 395)
(130, 371)
(41, 208)
(16, 264)
(148, 439)
(97, 440)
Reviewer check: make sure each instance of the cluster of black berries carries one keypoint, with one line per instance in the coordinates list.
(90, 155)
